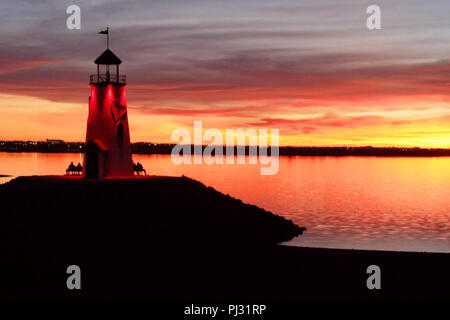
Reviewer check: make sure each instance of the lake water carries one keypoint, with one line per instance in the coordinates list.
(345, 202)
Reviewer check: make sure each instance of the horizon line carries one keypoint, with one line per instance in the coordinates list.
(246, 145)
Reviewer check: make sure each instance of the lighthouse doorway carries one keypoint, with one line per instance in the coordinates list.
(92, 164)
(94, 159)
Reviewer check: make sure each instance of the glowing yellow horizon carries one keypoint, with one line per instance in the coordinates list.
(36, 119)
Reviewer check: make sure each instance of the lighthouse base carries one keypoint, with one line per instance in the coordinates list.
(100, 163)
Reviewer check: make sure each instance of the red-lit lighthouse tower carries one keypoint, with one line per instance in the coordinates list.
(108, 148)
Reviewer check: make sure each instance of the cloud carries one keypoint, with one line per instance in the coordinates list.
(306, 126)
(272, 63)
(236, 51)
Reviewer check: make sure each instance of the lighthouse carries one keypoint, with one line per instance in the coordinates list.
(107, 152)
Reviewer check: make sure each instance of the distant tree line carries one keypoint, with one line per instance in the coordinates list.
(49, 146)
(59, 146)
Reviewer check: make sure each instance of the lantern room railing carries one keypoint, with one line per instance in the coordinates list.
(108, 78)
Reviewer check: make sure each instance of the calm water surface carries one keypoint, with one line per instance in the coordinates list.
(345, 202)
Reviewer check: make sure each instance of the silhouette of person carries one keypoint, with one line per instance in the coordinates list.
(71, 168)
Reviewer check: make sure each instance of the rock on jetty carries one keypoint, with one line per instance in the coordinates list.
(117, 229)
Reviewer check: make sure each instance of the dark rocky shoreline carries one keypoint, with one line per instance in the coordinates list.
(174, 238)
(50, 222)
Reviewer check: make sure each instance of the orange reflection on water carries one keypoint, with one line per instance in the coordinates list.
(20, 164)
(345, 202)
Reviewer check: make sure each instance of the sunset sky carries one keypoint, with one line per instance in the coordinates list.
(309, 68)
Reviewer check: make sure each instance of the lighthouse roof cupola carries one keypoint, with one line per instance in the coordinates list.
(107, 59)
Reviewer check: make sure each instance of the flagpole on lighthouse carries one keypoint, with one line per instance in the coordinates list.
(107, 36)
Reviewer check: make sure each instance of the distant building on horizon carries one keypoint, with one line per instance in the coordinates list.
(54, 141)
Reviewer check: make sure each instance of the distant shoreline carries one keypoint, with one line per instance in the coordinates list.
(59, 146)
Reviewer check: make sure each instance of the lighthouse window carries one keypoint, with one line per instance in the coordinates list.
(120, 130)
